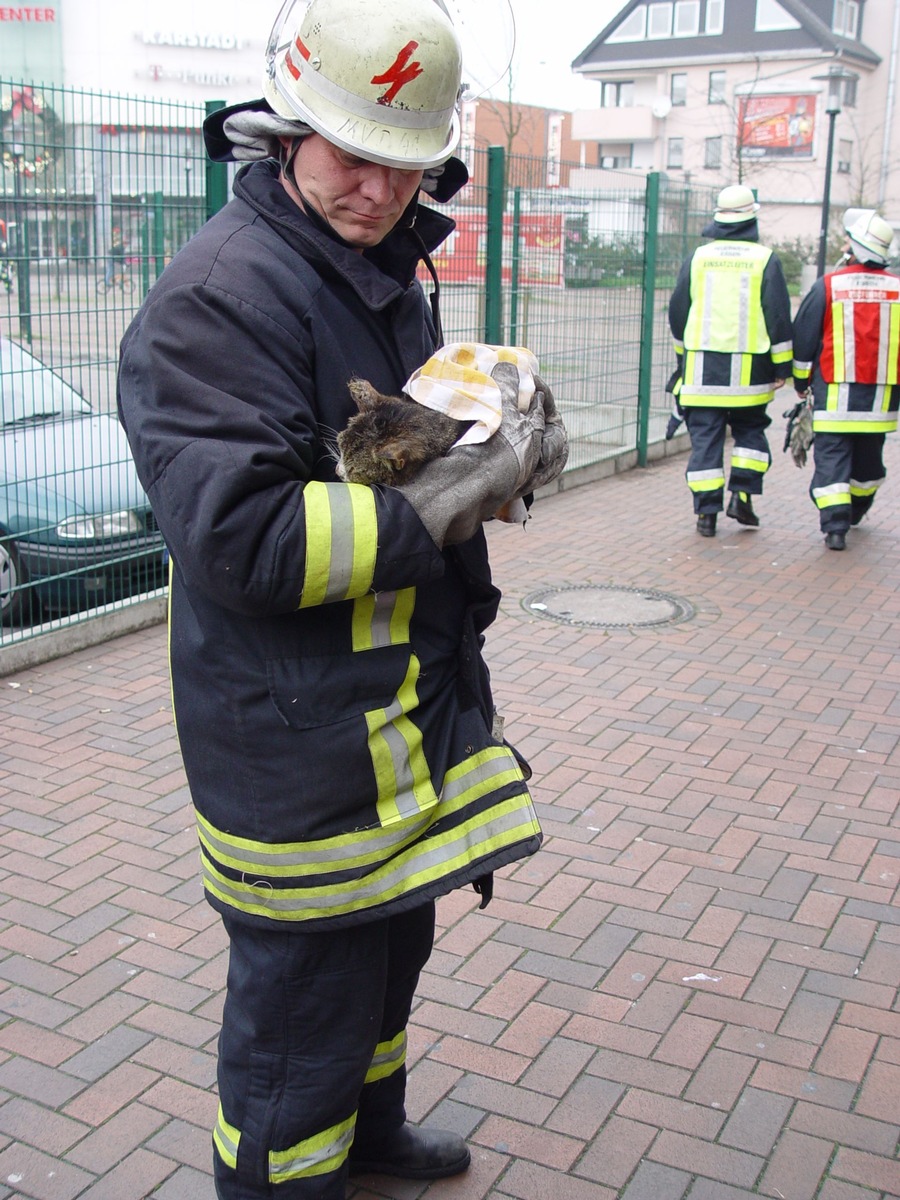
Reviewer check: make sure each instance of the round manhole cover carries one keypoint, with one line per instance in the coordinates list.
(608, 607)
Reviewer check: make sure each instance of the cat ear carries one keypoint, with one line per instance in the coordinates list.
(394, 453)
(364, 395)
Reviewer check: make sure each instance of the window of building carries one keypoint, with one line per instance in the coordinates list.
(770, 16)
(717, 92)
(846, 18)
(633, 28)
(617, 95)
(659, 20)
(712, 157)
(678, 89)
(715, 16)
(615, 157)
(675, 154)
(687, 18)
(844, 156)
(850, 91)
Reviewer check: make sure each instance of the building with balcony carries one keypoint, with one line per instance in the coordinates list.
(718, 91)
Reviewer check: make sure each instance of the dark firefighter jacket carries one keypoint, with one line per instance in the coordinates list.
(332, 705)
(847, 342)
(730, 317)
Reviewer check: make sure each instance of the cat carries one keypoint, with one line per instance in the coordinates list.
(391, 438)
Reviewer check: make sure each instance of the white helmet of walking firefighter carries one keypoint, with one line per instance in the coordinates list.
(870, 236)
(736, 203)
(380, 79)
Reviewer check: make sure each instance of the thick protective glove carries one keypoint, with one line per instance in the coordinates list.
(799, 434)
(676, 416)
(456, 493)
(554, 440)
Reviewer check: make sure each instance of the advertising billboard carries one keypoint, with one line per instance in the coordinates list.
(462, 257)
(777, 126)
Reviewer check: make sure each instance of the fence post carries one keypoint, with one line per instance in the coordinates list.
(493, 270)
(648, 304)
(514, 269)
(216, 173)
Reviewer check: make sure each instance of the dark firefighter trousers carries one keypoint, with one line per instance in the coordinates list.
(750, 455)
(849, 469)
(305, 1014)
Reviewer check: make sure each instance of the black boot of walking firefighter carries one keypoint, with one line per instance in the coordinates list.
(741, 510)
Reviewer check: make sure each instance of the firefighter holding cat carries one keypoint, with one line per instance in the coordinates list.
(730, 317)
(333, 707)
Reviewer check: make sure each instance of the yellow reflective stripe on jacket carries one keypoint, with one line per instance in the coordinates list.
(341, 542)
(726, 299)
(713, 396)
(227, 1140)
(838, 417)
(382, 619)
(317, 1155)
(369, 867)
(388, 1058)
(402, 774)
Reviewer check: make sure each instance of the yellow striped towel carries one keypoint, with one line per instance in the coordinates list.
(457, 381)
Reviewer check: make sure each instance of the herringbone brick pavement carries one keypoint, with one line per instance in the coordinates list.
(690, 993)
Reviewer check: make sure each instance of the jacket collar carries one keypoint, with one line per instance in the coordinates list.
(379, 274)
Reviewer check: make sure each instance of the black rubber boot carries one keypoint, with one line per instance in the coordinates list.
(706, 524)
(412, 1153)
(740, 509)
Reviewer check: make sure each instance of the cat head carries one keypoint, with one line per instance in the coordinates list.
(384, 442)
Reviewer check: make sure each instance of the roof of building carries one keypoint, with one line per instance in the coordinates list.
(739, 39)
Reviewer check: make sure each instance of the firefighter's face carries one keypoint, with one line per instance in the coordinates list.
(361, 200)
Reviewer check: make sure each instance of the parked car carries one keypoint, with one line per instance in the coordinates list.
(76, 529)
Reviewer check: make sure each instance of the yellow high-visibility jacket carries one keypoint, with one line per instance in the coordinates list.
(730, 318)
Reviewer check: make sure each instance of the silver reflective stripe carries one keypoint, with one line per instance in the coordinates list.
(746, 452)
(314, 1156)
(419, 864)
(699, 476)
(849, 339)
(718, 389)
(388, 1058)
(831, 489)
(743, 330)
(843, 416)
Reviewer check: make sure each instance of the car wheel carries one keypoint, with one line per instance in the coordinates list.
(15, 598)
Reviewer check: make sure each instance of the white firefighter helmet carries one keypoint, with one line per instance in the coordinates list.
(736, 203)
(870, 235)
(379, 78)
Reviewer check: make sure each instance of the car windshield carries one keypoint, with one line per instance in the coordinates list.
(30, 391)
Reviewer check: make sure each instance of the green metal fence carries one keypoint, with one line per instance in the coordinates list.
(99, 191)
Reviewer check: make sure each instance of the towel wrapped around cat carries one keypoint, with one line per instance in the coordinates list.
(390, 438)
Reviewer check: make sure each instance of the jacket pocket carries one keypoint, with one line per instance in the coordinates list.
(310, 692)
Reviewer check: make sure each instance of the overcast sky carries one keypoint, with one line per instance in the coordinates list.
(549, 34)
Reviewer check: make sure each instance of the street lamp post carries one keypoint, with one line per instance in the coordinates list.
(836, 78)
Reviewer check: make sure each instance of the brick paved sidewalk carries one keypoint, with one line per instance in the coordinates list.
(691, 992)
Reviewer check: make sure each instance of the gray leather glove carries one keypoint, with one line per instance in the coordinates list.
(453, 495)
(554, 441)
